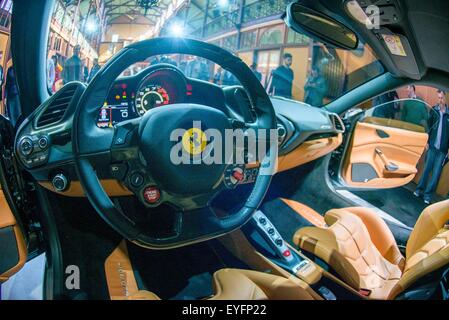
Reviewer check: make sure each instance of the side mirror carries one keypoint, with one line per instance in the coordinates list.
(320, 27)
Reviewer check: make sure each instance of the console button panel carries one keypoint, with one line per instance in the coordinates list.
(34, 150)
(272, 235)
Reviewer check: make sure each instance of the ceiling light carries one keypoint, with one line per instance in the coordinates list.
(91, 26)
(223, 3)
(177, 30)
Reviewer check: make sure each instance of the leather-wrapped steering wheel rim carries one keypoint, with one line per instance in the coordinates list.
(89, 140)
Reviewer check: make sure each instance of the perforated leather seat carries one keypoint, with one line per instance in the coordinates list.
(360, 247)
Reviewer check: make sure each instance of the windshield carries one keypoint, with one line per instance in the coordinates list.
(84, 35)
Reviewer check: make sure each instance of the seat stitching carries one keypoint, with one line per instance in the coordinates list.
(363, 258)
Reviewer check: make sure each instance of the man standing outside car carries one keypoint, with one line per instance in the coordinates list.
(73, 68)
(95, 68)
(281, 81)
(438, 148)
(414, 109)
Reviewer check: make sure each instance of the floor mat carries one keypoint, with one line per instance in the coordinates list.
(399, 203)
(86, 241)
(182, 273)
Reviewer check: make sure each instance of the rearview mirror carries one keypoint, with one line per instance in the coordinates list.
(320, 27)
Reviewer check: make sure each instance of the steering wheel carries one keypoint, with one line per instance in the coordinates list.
(144, 144)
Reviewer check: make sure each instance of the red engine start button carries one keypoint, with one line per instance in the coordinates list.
(152, 195)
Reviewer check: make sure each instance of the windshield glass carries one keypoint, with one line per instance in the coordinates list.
(84, 35)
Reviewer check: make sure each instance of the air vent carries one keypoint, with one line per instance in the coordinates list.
(337, 123)
(56, 109)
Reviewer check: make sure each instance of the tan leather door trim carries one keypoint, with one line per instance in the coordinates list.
(401, 147)
(7, 219)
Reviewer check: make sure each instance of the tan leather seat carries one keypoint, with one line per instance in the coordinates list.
(360, 247)
(235, 284)
(228, 284)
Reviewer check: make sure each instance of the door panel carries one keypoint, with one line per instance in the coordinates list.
(382, 157)
(13, 251)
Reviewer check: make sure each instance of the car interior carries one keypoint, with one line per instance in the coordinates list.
(87, 177)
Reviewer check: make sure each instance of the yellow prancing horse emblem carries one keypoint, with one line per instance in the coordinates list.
(194, 141)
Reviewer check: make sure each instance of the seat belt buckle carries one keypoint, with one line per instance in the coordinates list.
(365, 292)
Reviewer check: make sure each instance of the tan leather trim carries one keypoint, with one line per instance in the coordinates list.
(306, 212)
(120, 275)
(322, 244)
(346, 246)
(229, 284)
(253, 285)
(429, 223)
(360, 247)
(238, 245)
(7, 219)
(402, 147)
(380, 235)
(143, 295)
(425, 266)
(428, 246)
(308, 151)
(112, 187)
(443, 185)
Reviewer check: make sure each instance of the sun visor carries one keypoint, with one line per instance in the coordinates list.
(400, 51)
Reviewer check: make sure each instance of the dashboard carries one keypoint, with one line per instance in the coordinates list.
(44, 146)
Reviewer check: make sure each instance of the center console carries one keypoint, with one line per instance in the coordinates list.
(265, 238)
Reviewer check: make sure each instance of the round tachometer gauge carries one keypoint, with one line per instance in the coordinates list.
(151, 96)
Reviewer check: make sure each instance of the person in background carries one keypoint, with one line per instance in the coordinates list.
(437, 149)
(183, 66)
(256, 73)
(387, 105)
(12, 96)
(228, 79)
(217, 76)
(51, 73)
(281, 79)
(154, 61)
(58, 72)
(73, 69)
(197, 69)
(168, 60)
(95, 68)
(2, 76)
(414, 109)
(85, 71)
(315, 88)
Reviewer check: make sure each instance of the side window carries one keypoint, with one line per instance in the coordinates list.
(411, 108)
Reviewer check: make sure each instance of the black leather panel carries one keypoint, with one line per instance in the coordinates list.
(9, 254)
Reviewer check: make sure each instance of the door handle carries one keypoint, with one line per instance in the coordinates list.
(389, 166)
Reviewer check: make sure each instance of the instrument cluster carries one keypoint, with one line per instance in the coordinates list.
(132, 97)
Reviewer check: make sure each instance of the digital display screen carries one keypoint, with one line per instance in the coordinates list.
(117, 108)
(110, 115)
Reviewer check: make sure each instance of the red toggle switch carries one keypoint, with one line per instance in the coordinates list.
(287, 253)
